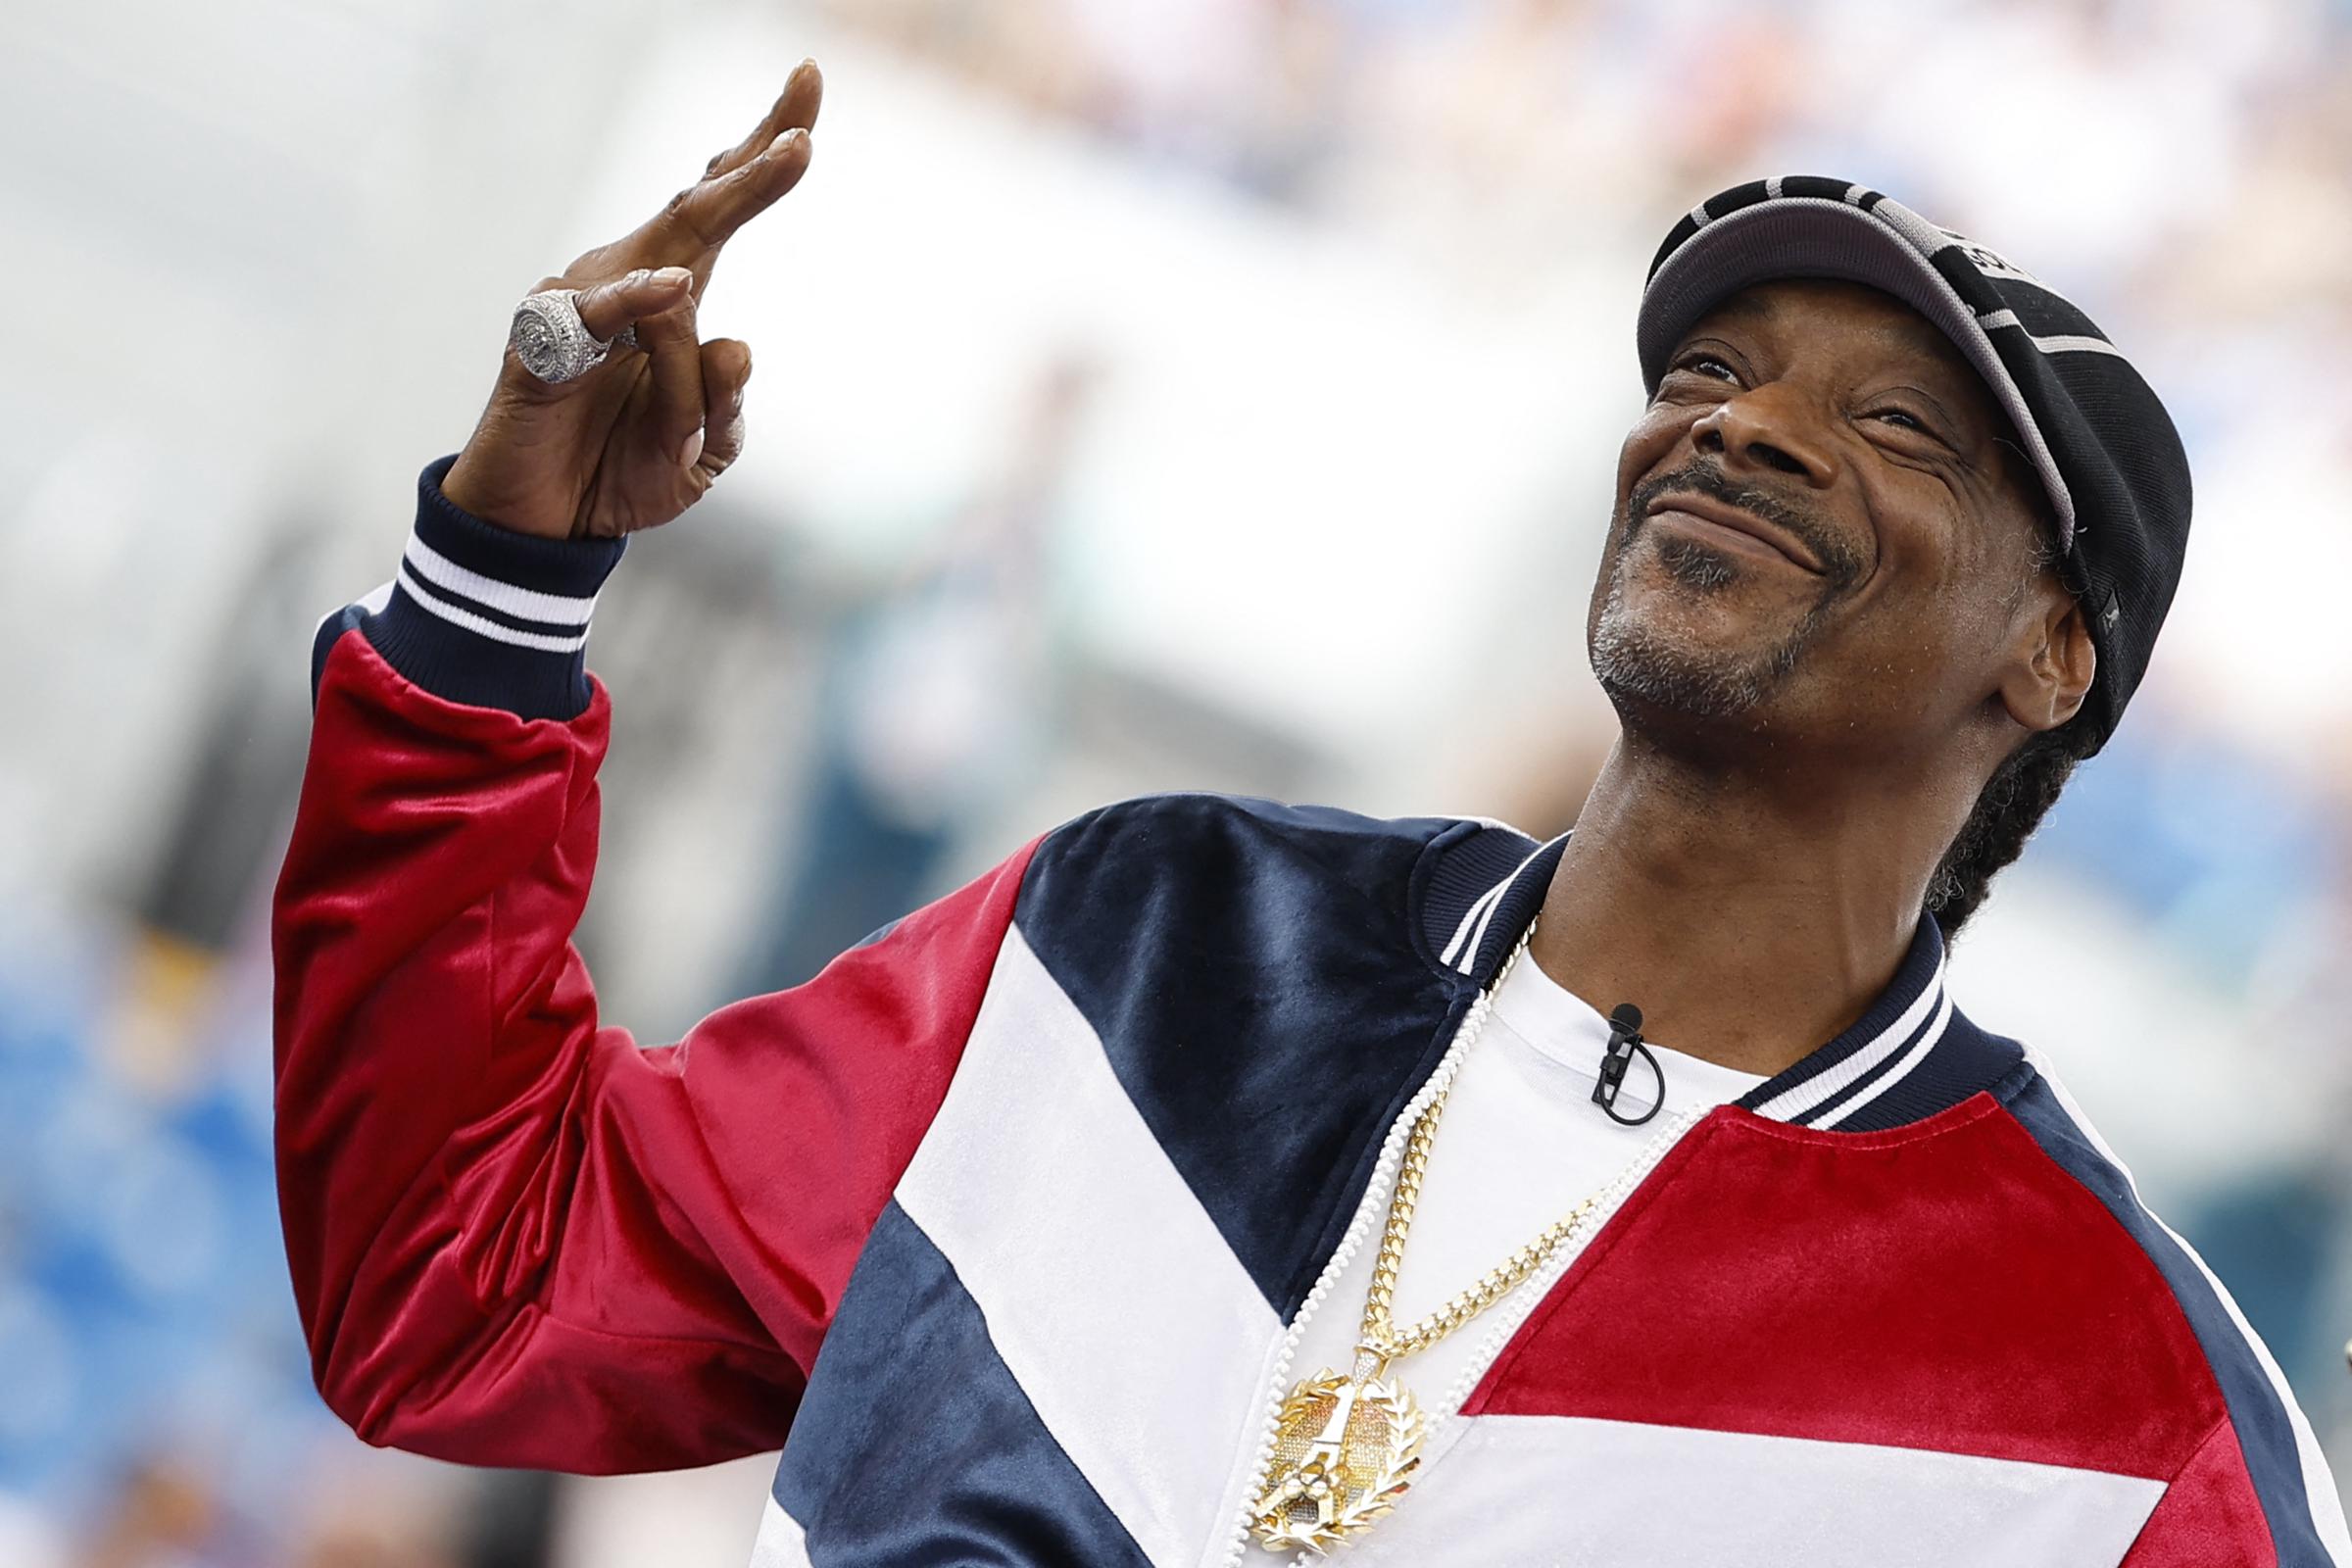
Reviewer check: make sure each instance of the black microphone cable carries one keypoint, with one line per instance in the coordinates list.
(1625, 1044)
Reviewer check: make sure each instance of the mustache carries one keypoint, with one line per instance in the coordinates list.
(1840, 564)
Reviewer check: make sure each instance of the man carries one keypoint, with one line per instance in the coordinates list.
(1217, 1176)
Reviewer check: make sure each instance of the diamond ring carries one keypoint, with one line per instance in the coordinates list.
(551, 341)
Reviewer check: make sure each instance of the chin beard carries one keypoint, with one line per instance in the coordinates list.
(1640, 670)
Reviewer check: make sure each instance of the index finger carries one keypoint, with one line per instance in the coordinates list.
(795, 109)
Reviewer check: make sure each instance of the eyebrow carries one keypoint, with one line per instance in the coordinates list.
(1756, 306)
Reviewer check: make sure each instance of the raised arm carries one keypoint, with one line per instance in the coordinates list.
(514, 1237)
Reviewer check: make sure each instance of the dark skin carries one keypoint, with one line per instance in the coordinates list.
(1825, 619)
(1818, 662)
(636, 441)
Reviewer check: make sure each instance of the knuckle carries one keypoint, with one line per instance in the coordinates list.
(518, 390)
(591, 263)
(684, 213)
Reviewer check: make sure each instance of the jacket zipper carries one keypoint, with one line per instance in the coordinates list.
(1530, 1292)
(1374, 1202)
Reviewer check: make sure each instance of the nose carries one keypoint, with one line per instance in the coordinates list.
(1765, 428)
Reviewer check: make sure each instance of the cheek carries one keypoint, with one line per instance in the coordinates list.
(1937, 585)
(1923, 552)
(1654, 438)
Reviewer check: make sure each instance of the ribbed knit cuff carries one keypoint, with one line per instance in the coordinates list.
(481, 615)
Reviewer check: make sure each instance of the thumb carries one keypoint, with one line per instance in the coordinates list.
(607, 308)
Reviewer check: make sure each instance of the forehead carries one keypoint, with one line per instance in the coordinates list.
(1851, 326)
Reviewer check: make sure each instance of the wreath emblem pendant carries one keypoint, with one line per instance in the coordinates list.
(1344, 1450)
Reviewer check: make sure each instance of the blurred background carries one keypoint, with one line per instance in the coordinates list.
(1151, 394)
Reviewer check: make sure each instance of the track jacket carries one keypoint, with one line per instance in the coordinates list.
(1002, 1227)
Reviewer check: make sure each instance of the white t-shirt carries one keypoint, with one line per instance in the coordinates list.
(1520, 1144)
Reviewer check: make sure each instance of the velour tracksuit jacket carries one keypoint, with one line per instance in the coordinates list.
(1003, 1226)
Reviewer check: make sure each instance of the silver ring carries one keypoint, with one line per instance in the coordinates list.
(551, 341)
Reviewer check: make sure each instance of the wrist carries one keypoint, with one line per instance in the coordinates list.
(483, 615)
(464, 486)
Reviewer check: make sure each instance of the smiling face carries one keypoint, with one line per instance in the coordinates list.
(1824, 531)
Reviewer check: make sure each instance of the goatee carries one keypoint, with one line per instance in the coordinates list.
(1637, 665)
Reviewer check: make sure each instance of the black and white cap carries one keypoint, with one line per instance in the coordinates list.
(2096, 433)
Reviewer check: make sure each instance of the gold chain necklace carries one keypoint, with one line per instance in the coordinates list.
(1345, 1447)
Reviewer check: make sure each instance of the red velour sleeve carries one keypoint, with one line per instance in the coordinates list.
(516, 1238)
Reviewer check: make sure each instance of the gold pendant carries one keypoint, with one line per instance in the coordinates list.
(1345, 1450)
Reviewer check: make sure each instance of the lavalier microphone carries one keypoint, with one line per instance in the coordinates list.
(1625, 1044)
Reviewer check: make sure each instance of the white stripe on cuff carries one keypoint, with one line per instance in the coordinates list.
(441, 572)
(483, 626)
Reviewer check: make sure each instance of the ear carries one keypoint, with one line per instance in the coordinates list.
(2045, 683)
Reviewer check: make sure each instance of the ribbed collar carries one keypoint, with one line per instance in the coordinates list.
(1909, 1056)
(1892, 1039)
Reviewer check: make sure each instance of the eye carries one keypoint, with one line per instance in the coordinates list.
(1902, 419)
(1711, 365)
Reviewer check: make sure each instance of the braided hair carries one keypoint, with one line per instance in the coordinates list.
(2023, 787)
(2020, 793)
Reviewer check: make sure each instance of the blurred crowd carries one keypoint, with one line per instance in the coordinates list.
(2183, 166)
(2185, 159)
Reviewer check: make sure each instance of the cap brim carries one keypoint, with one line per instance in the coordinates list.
(1808, 236)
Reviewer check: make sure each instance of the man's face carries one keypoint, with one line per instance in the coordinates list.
(1817, 530)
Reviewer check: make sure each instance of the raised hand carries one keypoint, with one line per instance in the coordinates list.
(638, 439)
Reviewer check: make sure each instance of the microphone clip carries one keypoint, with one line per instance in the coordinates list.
(1625, 1044)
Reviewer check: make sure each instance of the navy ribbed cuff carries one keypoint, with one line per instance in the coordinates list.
(481, 615)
